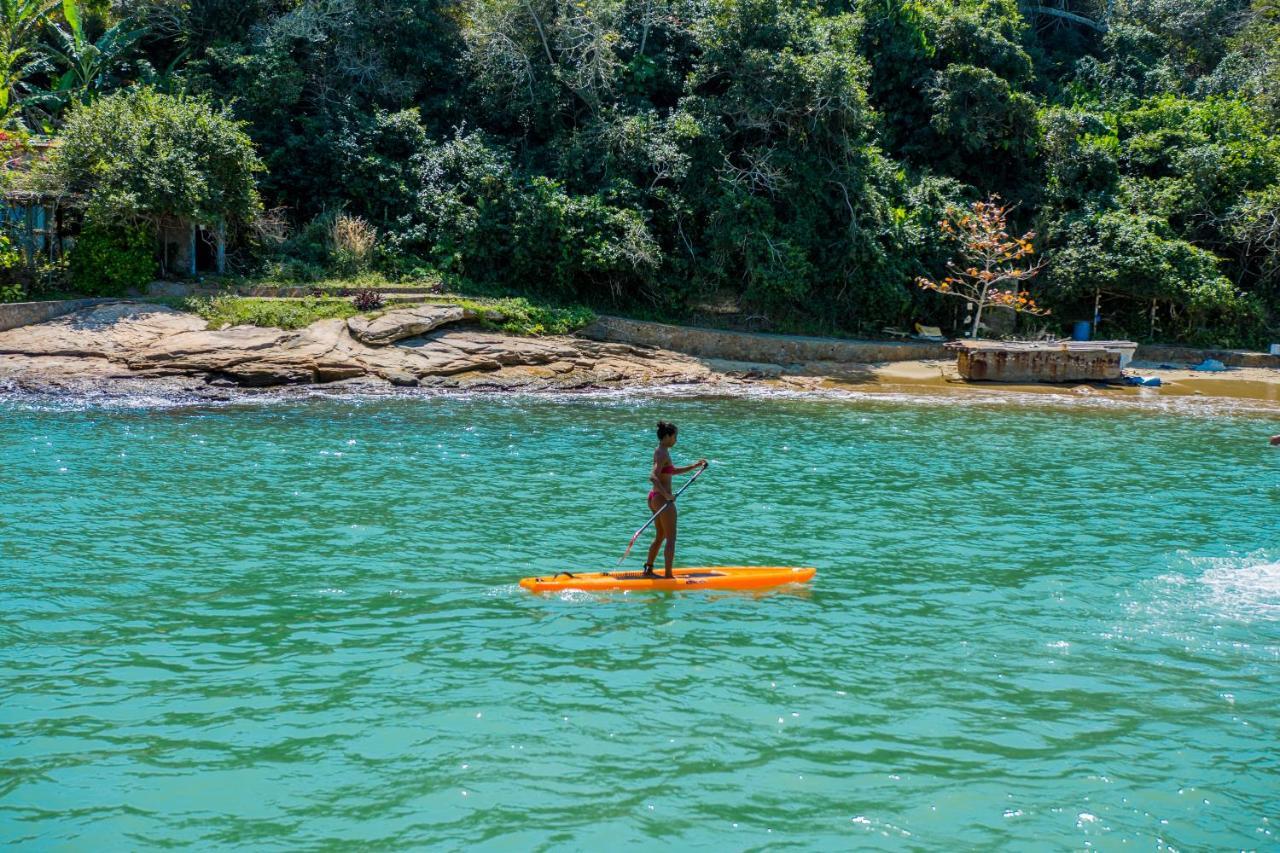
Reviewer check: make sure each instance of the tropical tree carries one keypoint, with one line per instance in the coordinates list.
(88, 66)
(992, 272)
(20, 24)
(141, 155)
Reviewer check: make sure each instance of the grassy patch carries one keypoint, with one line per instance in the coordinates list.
(519, 316)
(513, 315)
(522, 315)
(278, 313)
(334, 285)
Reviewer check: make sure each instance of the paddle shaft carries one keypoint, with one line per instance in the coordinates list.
(653, 517)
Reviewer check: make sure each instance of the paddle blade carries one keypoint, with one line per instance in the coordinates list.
(630, 545)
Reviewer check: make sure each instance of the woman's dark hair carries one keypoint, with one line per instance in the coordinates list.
(665, 429)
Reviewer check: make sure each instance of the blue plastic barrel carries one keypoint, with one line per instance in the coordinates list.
(1080, 330)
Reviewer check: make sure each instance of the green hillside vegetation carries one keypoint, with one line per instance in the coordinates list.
(791, 159)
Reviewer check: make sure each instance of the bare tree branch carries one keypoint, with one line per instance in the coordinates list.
(1096, 26)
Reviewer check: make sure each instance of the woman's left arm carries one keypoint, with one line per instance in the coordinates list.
(701, 463)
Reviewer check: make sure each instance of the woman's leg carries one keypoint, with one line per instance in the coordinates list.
(653, 548)
(670, 535)
(658, 535)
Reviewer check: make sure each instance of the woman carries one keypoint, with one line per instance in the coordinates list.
(662, 498)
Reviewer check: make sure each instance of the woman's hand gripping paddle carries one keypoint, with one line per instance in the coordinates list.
(632, 543)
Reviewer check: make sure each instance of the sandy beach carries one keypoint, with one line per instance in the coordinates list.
(938, 376)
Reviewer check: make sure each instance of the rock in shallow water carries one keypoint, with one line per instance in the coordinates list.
(400, 378)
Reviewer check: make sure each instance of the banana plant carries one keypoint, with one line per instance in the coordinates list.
(86, 65)
(20, 24)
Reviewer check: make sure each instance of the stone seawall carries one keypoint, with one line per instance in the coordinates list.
(1159, 354)
(757, 347)
(14, 315)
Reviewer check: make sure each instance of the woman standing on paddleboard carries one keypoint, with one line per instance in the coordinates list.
(662, 498)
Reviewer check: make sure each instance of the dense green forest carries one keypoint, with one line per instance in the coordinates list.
(790, 158)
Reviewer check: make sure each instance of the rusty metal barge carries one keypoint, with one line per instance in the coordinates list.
(1036, 361)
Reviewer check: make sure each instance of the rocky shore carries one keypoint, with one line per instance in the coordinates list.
(127, 345)
(131, 349)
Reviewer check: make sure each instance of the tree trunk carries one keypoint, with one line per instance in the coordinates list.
(644, 33)
(542, 34)
(221, 261)
(977, 314)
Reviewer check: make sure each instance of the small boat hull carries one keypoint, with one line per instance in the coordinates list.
(708, 577)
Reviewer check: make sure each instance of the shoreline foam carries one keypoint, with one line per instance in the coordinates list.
(112, 396)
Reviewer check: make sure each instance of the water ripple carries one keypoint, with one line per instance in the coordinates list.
(295, 624)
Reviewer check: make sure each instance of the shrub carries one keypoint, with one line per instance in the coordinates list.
(142, 155)
(352, 240)
(288, 269)
(49, 279)
(311, 243)
(107, 260)
(11, 290)
(368, 299)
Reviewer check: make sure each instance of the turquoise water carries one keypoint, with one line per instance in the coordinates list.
(295, 624)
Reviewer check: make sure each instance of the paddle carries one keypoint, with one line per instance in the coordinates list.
(632, 543)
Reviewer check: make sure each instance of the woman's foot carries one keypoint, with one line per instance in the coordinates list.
(648, 571)
(670, 575)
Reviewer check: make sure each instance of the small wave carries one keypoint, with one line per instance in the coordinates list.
(1249, 590)
(1239, 588)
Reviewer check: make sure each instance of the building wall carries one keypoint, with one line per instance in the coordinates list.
(32, 225)
(16, 314)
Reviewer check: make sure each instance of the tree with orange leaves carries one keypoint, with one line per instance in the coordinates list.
(993, 272)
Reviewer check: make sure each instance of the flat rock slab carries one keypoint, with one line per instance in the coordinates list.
(256, 356)
(111, 330)
(386, 329)
(452, 351)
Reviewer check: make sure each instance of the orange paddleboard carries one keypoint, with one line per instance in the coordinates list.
(711, 577)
